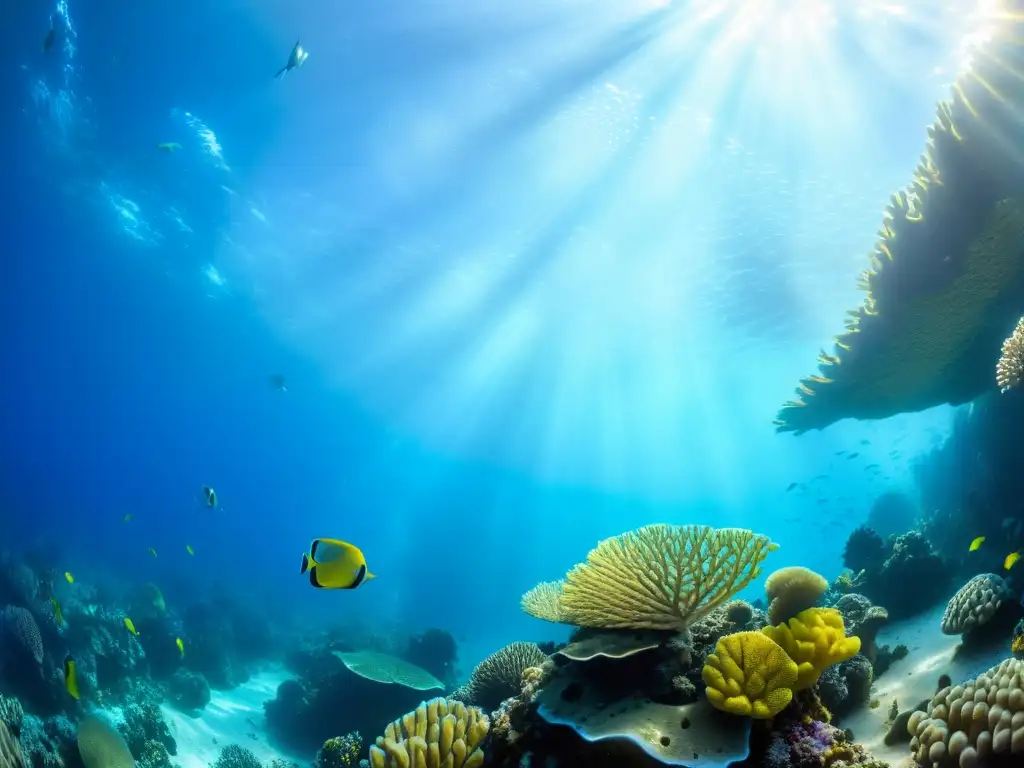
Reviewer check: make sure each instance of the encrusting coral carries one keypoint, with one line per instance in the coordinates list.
(749, 674)
(814, 639)
(966, 725)
(975, 603)
(440, 733)
(662, 576)
(1010, 368)
(792, 590)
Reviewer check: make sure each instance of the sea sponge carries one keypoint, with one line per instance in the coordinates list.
(101, 746)
(662, 576)
(975, 603)
(966, 724)
(814, 639)
(1010, 368)
(19, 626)
(544, 601)
(792, 590)
(749, 674)
(500, 675)
(439, 732)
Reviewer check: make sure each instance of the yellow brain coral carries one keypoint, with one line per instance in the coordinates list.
(749, 674)
(662, 576)
(440, 733)
(815, 639)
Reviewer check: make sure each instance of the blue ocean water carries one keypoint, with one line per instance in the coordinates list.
(536, 274)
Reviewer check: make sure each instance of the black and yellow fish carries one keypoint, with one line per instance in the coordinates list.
(57, 613)
(71, 676)
(209, 496)
(335, 564)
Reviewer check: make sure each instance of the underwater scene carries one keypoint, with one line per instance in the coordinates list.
(542, 384)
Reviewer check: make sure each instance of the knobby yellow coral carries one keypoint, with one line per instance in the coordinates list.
(815, 639)
(749, 674)
(440, 733)
(662, 577)
(1010, 368)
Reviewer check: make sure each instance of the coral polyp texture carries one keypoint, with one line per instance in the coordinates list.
(662, 576)
(440, 733)
(544, 601)
(101, 746)
(815, 639)
(749, 674)
(967, 725)
(975, 604)
(792, 590)
(1010, 368)
(946, 274)
(20, 631)
(500, 675)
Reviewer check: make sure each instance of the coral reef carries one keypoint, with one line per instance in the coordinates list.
(147, 736)
(188, 690)
(946, 276)
(236, 756)
(101, 746)
(10, 750)
(864, 551)
(975, 604)
(791, 590)
(340, 751)
(439, 733)
(815, 639)
(862, 620)
(751, 675)
(846, 686)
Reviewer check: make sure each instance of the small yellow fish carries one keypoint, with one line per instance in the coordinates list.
(71, 676)
(1011, 560)
(976, 544)
(1017, 645)
(128, 517)
(70, 579)
(188, 548)
(131, 626)
(152, 552)
(57, 612)
(181, 646)
(335, 564)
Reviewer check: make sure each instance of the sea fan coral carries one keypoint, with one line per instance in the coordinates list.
(1010, 368)
(500, 675)
(662, 576)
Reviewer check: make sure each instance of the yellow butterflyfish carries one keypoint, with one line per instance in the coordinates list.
(976, 544)
(181, 646)
(71, 676)
(68, 577)
(188, 548)
(57, 613)
(1010, 560)
(335, 564)
(131, 626)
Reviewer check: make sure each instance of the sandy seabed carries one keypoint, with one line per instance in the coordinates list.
(915, 678)
(231, 717)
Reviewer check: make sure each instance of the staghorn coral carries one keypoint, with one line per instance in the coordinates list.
(972, 723)
(544, 601)
(975, 604)
(101, 746)
(440, 733)
(945, 277)
(340, 751)
(792, 590)
(1010, 368)
(749, 674)
(815, 639)
(500, 675)
(662, 576)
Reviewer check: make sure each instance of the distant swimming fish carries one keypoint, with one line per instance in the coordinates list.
(1011, 560)
(57, 613)
(277, 381)
(296, 58)
(68, 577)
(181, 646)
(188, 548)
(48, 41)
(791, 486)
(865, 442)
(976, 544)
(853, 455)
(871, 466)
(71, 676)
(210, 496)
(152, 552)
(335, 564)
(168, 146)
(128, 517)
(131, 626)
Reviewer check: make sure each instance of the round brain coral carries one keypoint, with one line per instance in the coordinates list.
(975, 604)
(965, 726)
(101, 746)
(500, 675)
(20, 627)
(749, 674)
(792, 590)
